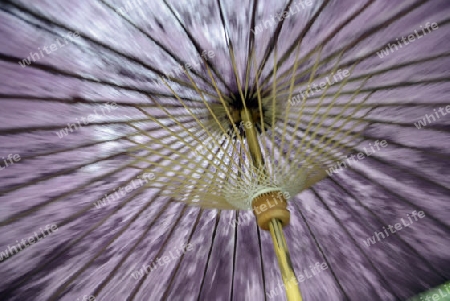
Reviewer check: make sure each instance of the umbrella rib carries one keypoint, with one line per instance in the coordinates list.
(273, 41)
(298, 40)
(401, 105)
(80, 100)
(177, 136)
(366, 35)
(17, 216)
(261, 115)
(366, 56)
(75, 275)
(24, 278)
(54, 70)
(274, 85)
(205, 182)
(387, 87)
(335, 140)
(288, 107)
(251, 46)
(164, 244)
(76, 101)
(390, 164)
(111, 274)
(384, 280)
(321, 251)
(376, 72)
(329, 127)
(233, 269)
(441, 127)
(430, 127)
(380, 220)
(158, 43)
(237, 77)
(297, 123)
(194, 116)
(43, 18)
(324, 115)
(209, 255)
(397, 144)
(410, 171)
(397, 195)
(174, 273)
(327, 39)
(60, 172)
(65, 194)
(21, 130)
(181, 190)
(236, 131)
(196, 46)
(258, 231)
(209, 107)
(78, 147)
(230, 47)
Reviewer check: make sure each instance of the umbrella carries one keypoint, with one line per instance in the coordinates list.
(175, 119)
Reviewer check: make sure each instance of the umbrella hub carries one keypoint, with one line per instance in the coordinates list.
(261, 114)
(269, 206)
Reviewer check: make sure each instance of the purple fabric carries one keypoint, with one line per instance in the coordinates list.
(95, 251)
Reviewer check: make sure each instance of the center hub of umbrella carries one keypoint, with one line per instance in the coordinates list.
(237, 105)
(228, 113)
(258, 113)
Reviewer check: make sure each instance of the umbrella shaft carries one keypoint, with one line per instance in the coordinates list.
(275, 226)
(284, 261)
(252, 138)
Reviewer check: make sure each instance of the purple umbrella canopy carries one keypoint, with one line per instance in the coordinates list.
(108, 191)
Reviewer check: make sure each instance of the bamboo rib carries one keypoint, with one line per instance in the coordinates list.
(291, 90)
(273, 41)
(327, 149)
(308, 128)
(274, 86)
(263, 126)
(193, 115)
(196, 45)
(39, 15)
(211, 111)
(373, 52)
(158, 43)
(251, 47)
(324, 115)
(384, 70)
(381, 222)
(336, 119)
(320, 247)
(337, 142)
(236, 131)
(330, 36)
(238, 81)
(311, 78)
(158, 141)
(373, 30)
(318, 151)
(175, 134)
(181, 188)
